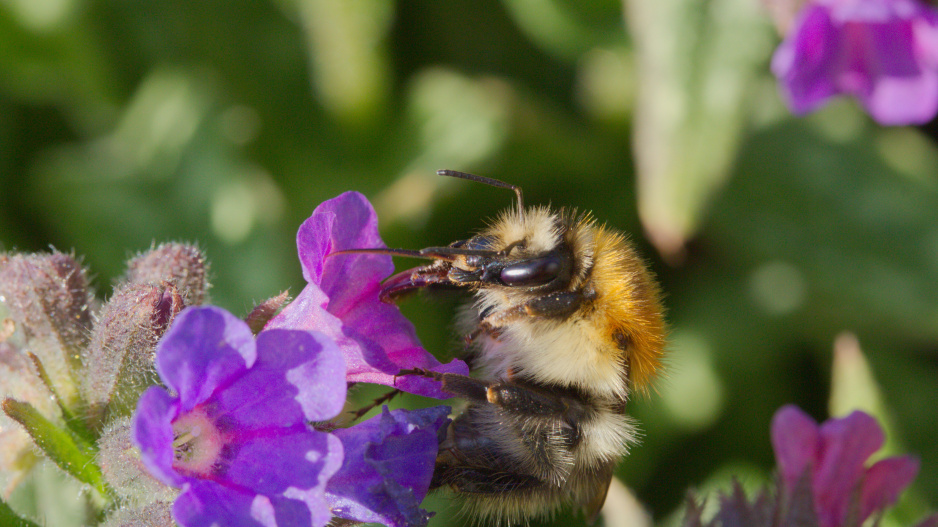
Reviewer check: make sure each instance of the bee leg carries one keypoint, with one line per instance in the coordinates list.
(554, 305)
(477, 480)
(558, 305)
(461, 386)
(519, 399)
(511, 396)
(357, 414)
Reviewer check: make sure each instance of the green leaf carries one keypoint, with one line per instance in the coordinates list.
(698, 63)
(9, 518)
(346, 44)
(65, 449)
(75, 423)
(567, 29)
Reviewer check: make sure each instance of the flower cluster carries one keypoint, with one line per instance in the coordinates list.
(69, 367)
(234, 431)
(180, 413)
(830, 460)
(237, 430)
(824, 479)
(883, 52)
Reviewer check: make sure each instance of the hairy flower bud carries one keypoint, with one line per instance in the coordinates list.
(119, 359)
(157, 514)
(123, 470)
(48, 297)
(182, 265)
(263, 312)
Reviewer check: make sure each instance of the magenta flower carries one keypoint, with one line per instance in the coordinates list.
(389, 462)
(883, 52)
(834, 457)
(341, 299)
(234, 434)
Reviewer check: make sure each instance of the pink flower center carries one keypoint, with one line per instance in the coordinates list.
(197, 443)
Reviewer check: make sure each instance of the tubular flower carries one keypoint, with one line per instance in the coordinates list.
(832, 457)
(341, 299)
(883, 52)
(233, 430)
(389, 461)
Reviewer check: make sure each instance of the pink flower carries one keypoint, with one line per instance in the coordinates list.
(883, 52)
(341, 300)
(834, 455)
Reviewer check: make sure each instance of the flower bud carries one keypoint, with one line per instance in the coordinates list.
(182, 265)
(123, 470)
(119, 359)
(159, 514)
(263, 312)
(48, 298)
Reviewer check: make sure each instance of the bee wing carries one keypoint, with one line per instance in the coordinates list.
(592, 508)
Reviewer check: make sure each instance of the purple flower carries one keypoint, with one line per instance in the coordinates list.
(341, 299)
(389, 461)
(834, 456)
(235, 436)
(884, 52)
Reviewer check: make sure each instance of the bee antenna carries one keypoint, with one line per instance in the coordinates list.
(486, 180)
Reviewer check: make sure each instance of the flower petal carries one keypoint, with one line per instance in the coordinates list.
(260, 485)
(386, 343)
(377, 342)
(899, 89)
(881, 51)
(796, 441)
(204, 348)
(901, 101)
(208, 504)
(806, 62)
(347, 221)
(320, 381)
(342, 299)
(846, 444)
(299, 376)
(388, 466)
(873, 11)
(883, 483)
(153, 434)
(271, 463)
(308, 311)
(294, 463)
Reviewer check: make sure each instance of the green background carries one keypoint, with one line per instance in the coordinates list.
(227, 122)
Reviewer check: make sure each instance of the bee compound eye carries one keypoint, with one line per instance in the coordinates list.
(534, 272)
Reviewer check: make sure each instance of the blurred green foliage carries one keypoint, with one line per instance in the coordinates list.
(226, 123)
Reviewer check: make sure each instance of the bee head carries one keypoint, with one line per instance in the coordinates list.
(524, 251)
(487, 260)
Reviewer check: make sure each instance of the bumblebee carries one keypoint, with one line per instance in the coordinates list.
(565, 323)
